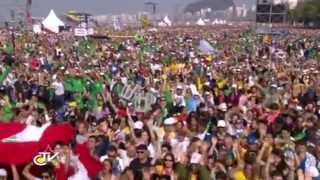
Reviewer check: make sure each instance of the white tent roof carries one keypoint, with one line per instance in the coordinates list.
(167, 21)
(162, 24)
(200, 22)
(52, 22)
(215, 21)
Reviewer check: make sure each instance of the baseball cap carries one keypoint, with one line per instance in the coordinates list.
(221, 123)
(179, 86)
(138, 125)
(170, 121)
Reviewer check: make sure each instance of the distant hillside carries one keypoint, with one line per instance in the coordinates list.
(215, 5)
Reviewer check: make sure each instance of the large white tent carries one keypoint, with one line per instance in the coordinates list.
(162, 24)
(52, 22)
(167, 21)
(200, 22)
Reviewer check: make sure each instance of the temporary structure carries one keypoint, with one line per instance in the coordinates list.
(215, 22)
(200, 22)
(162, 24)
(52, 22)
(167, 21)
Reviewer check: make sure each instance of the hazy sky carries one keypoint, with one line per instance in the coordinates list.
(42, 7)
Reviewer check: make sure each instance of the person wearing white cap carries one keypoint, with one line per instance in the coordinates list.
(221, 124)
(138, 125)
(169, 129)
(170, 121)
(221, 132)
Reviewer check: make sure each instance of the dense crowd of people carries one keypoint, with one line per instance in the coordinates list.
(155, 105)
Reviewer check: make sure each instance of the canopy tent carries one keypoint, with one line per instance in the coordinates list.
(200, 22)
(215, 22)
(219, 21)
(167, 21)
(52, 22)
(162, 24)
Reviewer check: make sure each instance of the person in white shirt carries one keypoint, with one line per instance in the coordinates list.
(58, 87)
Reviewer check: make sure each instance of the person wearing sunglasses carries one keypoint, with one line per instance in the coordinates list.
(169, 165)
(143, 160)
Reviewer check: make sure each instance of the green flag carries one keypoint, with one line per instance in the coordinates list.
(5, 74)
(80, 102)
(76, 85)
(96, 88)
(169, 99)
(92, 104)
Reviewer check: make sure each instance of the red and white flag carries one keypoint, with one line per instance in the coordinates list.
(88, 166)
(20, 143)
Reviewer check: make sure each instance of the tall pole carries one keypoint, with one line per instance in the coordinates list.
(28, 12)
(270, 16)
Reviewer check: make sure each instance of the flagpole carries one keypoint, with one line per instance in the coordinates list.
(121, 36)
(28, 12)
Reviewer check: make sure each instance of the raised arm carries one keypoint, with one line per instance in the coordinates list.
(15, 172)
(109, 100)
(26, 172)
(131, 125)
(213, 148)
(150, 125)
(261, 153)
(267, 168)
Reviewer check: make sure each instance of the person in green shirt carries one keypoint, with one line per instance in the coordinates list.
(192, 172)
